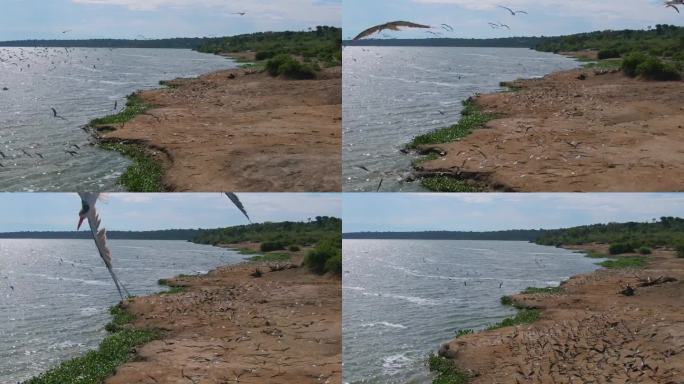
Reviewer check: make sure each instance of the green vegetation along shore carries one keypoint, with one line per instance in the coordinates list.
(95, 366)
(323, 233)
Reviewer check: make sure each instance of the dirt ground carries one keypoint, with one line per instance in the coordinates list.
(231, 327)
(239, 130)
(590, 333)
(607, 133)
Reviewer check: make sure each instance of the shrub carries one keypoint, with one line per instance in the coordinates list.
(644, 250)
(506, 300)
(288, 66)
(631, 61)
(272, 246)
(654, 69)
(620, 248)
(680, 251)
(294, 248)
(265, 55)
(326, 257)
(608, 54)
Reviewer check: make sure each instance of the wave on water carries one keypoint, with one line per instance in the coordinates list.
(394, 364)
(411, 299)
(57, 278)
(384, 324)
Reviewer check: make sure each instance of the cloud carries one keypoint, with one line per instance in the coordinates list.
(311, 11)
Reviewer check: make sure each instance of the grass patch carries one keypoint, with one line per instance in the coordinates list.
(624, 262)
(270, 257)
(144, 175)
(680, 251)
(173, 289)
(448, 184)
(95, 366)
(471, 118)
(547, 290)
(446, 371)
(169, 84)
(463, 332)
(426, 158)
(134, 107)
(506, 300)
(524, 316)
(606, 65)
(247, 251)
(595, 255)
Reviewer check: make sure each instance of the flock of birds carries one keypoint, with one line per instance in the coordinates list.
(443, 28)
(43, 61)
(446, 28)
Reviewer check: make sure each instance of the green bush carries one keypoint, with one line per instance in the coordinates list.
(655, 69)
(288, 66)
(644, 250)
(294, 248)
(445, 371)
(265, 55)
(272, 246)
(680, 251)
(631, 61)
(620, 248)
(326, 257)
(608, 54)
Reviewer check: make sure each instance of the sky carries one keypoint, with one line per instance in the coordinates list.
(138, 212)
(469, 18)
(47, 19)
(492, 212)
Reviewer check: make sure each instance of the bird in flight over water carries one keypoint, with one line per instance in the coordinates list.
(394, 26)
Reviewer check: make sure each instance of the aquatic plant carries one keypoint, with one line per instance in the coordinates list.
(524, 316)
(145, 174)
(445, 370)
(95, 366)
(471, 118)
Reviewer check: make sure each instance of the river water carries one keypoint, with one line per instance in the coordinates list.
(392, 94)
(402, 299)
(81, 84)
(55, 295)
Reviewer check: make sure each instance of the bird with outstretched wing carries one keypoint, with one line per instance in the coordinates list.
(89, 212)
(393, 26)
(236, 200)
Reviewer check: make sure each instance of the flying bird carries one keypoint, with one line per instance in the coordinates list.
(673, 4)
(393, 26)
(505, 26)
(239, 13)
(234, 198)
(56, 115)
(511, 11)
(67, 31)
(493, 25)
(447, 27)
(89, 212)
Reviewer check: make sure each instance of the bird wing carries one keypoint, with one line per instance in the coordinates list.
(54, 111)
(100, 237)
(506, 8)
(673, 6)
(394, 25)
(522, 12)
(234, 198)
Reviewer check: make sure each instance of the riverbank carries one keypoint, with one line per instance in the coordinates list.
(584, 130)
(586, 331)
(238, 129)
(281, 324)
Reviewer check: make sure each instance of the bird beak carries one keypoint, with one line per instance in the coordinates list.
(80, 221)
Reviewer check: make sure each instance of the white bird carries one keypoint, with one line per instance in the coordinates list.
(88, 211)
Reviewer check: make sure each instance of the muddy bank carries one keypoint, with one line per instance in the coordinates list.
(229, 326)
(589, 332)
(242, 130)
(579, 130)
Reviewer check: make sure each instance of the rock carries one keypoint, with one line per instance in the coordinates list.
(446, 352)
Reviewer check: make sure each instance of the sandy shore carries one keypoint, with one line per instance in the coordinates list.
(605, 133)
(239, 130)
(231, 327)
(590, 333)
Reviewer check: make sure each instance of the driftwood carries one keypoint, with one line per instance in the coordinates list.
(648, 282)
